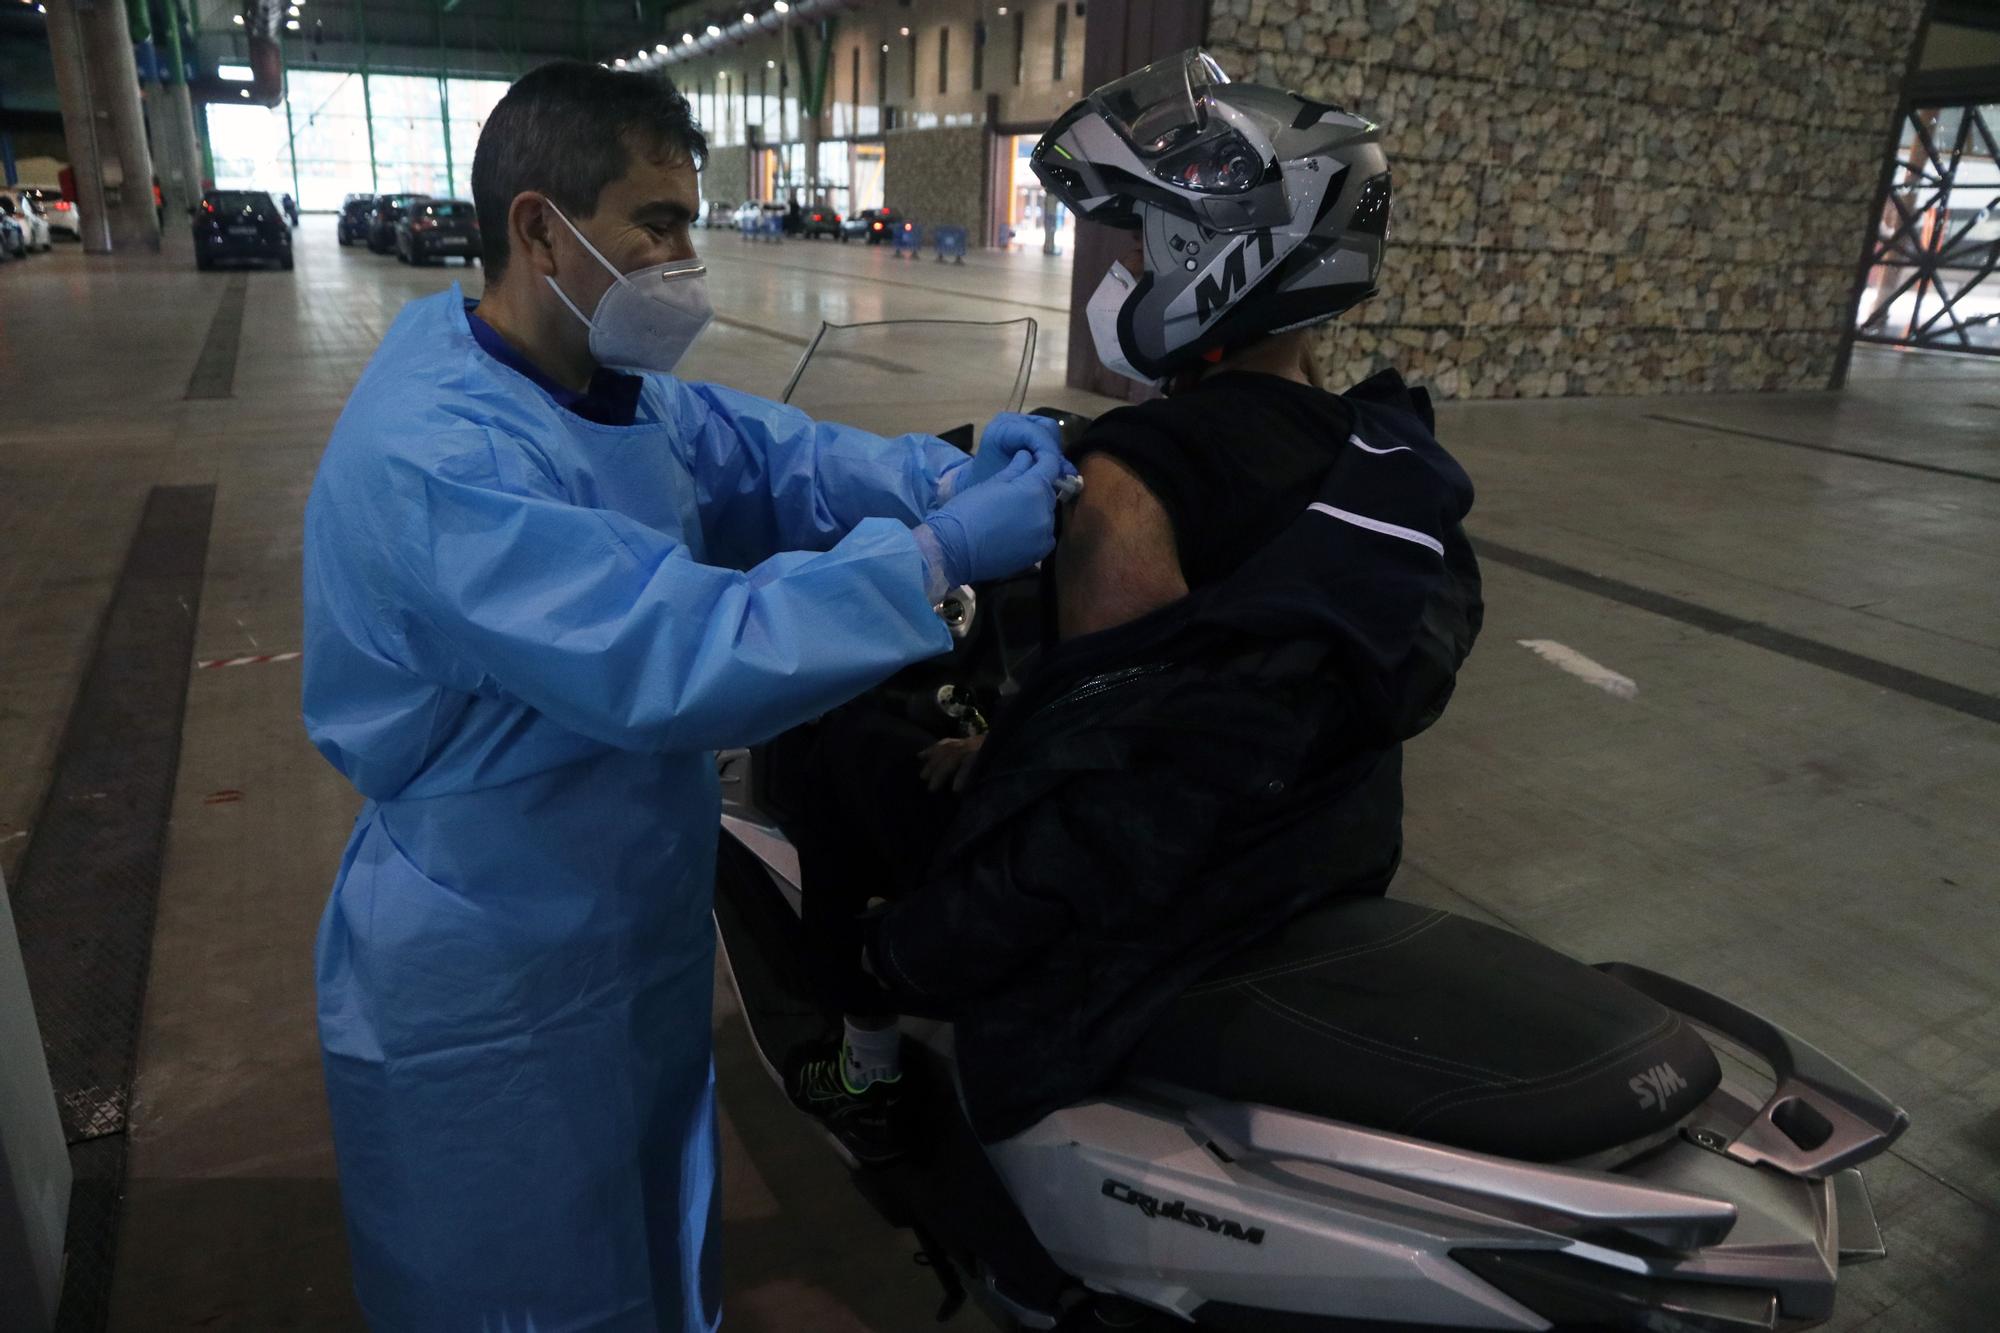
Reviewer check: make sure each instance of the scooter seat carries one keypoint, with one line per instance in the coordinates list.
(1405, 1018)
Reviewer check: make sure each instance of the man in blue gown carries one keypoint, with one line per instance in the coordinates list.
(544, 582)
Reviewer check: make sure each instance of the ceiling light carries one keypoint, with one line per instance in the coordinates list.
(749, 17)
(293, 10)
(782, 7)
(661, 48)
(714, 31)
(885, 46)
(293, 24)
(688, 37)
(242, 92)
(620, 62)
(234, 73)
(239, 20)
(904, 31)
(1003, 11)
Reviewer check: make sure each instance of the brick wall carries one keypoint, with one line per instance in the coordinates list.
(1601, 196)
(939, 177)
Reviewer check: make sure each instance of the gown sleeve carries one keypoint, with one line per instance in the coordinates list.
(769, 478)
(613, 629)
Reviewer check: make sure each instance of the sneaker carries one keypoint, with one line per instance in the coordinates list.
(864, 1122)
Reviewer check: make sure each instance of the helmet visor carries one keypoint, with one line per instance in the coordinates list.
(1166, 112)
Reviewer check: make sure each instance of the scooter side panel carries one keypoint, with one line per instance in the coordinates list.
(1128, 1200)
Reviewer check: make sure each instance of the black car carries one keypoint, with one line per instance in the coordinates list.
(821, 222)
(352, 227)
(240, 224)
(438, 229)
(876, 225)
(389, 210)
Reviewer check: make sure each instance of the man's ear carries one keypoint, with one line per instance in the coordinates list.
(528, 233)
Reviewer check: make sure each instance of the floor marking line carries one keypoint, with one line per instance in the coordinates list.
(258, 659)
(1868, 670)
(1565, 658)
(214, 374)
(1861, 454)
(89, 882)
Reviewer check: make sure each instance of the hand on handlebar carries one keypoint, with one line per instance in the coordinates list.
(949, 763)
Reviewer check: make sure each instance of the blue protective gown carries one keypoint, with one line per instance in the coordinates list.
(525, 635)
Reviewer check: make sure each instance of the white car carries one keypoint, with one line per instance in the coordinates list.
(26, 208)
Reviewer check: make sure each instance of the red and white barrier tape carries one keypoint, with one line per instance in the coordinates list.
(258, 660)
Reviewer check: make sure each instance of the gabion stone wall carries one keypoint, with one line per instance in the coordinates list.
(726, 176)
(1601, 196)
(938, 177)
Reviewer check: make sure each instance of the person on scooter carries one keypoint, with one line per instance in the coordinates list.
(1263, 591)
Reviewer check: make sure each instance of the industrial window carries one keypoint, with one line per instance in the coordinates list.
(1932, 268)
(854, 80)
(882, 76)
(1020, 45)
(944, 61)
(1062, 36)
(978, 55)
(910, 59)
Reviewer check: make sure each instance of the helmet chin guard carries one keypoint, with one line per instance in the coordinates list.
(1260, 211)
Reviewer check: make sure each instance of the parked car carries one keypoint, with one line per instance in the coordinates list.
(13, 238)
(718, 215)
(438, 229)
(26, 209)
(352, 224)
(821, 222)
(240, 224)
(755, 216)
(878, 225)
(389, 210)
(61, 213)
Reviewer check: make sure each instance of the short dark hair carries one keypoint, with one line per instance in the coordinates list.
(566, 130)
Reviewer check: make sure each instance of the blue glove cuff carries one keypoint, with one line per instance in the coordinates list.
(937, 576)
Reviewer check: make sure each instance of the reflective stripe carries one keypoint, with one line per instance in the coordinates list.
(1360, 443)
(1377, 525)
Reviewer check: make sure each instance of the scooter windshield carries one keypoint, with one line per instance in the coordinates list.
(903, 375)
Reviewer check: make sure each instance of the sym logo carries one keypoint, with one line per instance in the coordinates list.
(1213, 294)
(1656, 1085)
(1180, 1212)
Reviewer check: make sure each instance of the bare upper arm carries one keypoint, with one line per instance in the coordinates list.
(1117, 559)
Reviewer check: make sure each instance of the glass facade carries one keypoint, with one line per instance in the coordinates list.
(468, 103)
(329, 126)
(425, 130)
(248, 143)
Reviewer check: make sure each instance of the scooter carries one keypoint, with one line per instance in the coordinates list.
(1449, 1126)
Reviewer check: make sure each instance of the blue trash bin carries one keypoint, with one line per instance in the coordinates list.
(909, 237)
(950, 243)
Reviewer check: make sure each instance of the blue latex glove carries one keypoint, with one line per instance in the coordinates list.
(998, 527)
(1006, 435)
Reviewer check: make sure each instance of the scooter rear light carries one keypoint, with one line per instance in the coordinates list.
(62, 205)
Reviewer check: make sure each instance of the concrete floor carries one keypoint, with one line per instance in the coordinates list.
(1811, 836)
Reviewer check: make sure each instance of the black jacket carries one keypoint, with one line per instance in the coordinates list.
(1162, 793)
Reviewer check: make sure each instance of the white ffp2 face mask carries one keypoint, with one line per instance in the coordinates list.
(1102, 313)
(646, 319)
